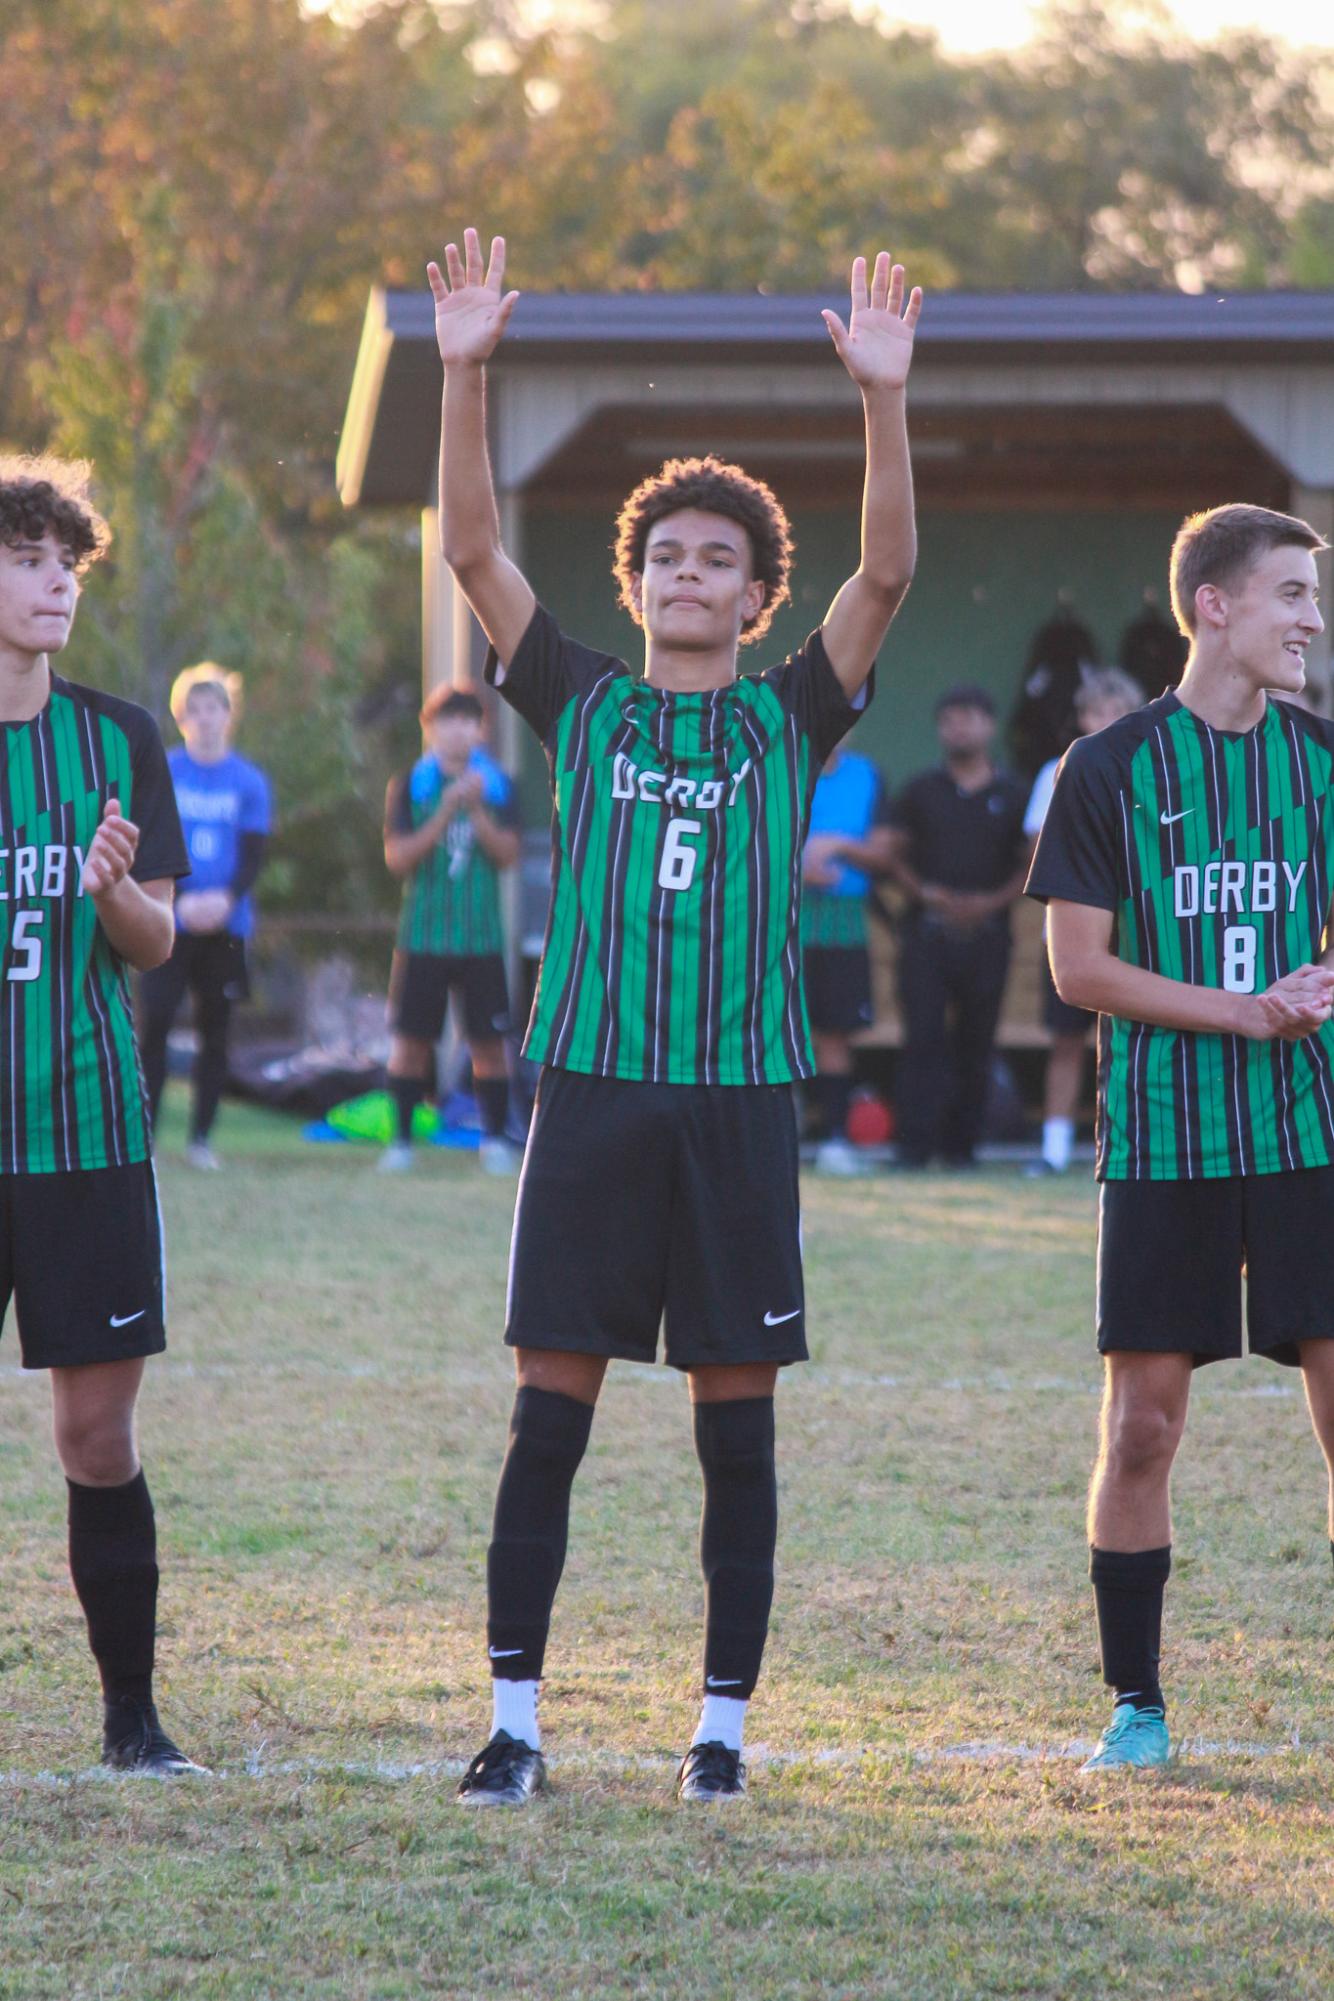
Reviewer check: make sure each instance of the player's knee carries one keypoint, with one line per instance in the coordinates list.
(96, 1452)
(1141, 1438)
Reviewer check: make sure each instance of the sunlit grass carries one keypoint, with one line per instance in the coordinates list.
(322, 1440)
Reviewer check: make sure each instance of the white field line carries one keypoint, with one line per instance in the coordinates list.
(612, 1764)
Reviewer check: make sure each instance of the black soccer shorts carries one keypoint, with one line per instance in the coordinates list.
(644, 1205)
(1172, 1254)
(838, 988)
(211, 965)
(420, 984)
(81, 1256)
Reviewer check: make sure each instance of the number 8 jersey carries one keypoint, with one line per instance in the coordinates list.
(672, 951)
(1215, 852)
(71, 1090)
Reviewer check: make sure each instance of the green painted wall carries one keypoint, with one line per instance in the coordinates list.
(985, 582)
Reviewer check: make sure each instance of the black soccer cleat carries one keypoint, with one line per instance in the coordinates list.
(711, 1772)
(505, 1772)
(134, 1741)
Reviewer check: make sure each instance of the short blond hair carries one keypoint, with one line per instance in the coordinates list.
(224, 681)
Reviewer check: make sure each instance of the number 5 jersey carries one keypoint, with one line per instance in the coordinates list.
(71, 1090)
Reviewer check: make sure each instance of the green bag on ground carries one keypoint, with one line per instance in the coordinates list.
(374, 1117)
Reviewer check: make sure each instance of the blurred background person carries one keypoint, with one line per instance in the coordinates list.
(224, 804)
(450, 828)
(848, 847)
(1105, 695)
(959, 853)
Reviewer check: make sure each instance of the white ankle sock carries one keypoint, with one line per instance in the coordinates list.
(514, 1708)
(1058, 1139)
(721, 1721)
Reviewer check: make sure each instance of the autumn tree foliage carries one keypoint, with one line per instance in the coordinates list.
(195, 196)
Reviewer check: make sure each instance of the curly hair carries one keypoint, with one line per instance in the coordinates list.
(49, 495)
(717, 488)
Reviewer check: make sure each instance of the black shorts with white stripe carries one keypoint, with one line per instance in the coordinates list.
(659, 1205)
(81, 1257)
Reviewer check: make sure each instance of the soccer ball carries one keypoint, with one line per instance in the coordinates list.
(870, 1120)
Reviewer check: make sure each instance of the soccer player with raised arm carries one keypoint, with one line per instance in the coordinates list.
(1187, 861)
(90, 848)
(660, 1182)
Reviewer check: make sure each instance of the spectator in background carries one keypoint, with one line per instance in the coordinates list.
(450, 828)
(959, 853)
(1107, 694)
(848, 845)
(223, 801)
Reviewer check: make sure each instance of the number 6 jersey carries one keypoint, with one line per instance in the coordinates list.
(1215, 852)
(71, 1091)
(672, 950)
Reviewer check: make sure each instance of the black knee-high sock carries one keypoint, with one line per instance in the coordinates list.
(548, 1436)
(113, 1561)
(406, 1093)
(737, 1537)
(210, 1066)
(1128, 1593)
(493, 1100)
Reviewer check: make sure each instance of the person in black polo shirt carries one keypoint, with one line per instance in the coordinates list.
(960, 853)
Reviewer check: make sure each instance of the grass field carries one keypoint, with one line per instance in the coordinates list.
(322, 1441)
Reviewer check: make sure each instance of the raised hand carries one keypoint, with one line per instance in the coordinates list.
(471, 313)
(110, 852)
(876, 345)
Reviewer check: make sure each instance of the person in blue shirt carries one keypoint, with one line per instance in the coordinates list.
(224, 805)
(848, 845)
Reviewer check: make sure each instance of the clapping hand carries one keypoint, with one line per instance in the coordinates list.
(110, 852)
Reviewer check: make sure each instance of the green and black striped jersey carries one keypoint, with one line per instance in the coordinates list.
(672, 950)
(1215, 852)
(71, 1090)
(451, 900)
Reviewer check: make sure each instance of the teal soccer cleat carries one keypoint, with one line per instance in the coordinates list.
(1133, 1737)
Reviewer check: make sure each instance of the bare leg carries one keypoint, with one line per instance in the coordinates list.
(92, 1412)
(1318, 1375)
(1144, 1404)
(558, 1370)
(1065, 1074)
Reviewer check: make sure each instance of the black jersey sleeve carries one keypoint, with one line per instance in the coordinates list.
(547, 672)
(152, 806)
(809, 689)
(1078, 857)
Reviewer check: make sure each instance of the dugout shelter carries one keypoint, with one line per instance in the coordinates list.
(1058, 439)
